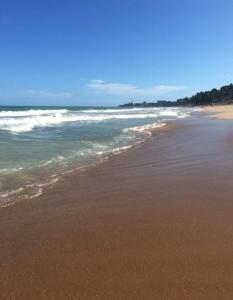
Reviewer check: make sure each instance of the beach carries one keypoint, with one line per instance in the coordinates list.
(224, 112)
(154, 222)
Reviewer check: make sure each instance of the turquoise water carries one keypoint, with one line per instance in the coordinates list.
(38, 144)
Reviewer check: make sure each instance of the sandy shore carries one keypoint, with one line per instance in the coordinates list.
(152, 223)
(221, 111)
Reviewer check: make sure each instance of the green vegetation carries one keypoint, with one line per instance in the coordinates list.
(222, 96)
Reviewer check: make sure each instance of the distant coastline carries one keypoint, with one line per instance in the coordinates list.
(221, 96)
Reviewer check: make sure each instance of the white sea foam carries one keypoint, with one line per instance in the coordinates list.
(10, 170)
(116, 110)
(144, 128)
(42, 118)
(10, 193)
(168, 113)
(36, 194)
(31, 112)
(86, 145)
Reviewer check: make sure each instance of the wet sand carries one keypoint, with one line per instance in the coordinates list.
(155, 222)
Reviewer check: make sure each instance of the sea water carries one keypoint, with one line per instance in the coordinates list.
(39, 144)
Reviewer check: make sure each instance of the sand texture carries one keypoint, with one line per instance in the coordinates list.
(155, 222)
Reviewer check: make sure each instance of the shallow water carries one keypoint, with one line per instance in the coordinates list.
(38, 144)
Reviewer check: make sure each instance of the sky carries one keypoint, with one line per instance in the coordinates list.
(105, 52)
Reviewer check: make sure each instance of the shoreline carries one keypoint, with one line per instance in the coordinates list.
(154, 222)
(150, 129)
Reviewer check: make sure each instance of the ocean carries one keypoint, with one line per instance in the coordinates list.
(40, 144)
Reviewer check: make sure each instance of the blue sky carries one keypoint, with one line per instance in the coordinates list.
(105, 52)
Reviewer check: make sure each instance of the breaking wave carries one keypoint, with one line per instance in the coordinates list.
(24, 121)
(32, 160)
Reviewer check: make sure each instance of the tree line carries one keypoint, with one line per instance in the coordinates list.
(222, 96)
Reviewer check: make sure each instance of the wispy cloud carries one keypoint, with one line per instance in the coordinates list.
(123, 89)
(46, 94)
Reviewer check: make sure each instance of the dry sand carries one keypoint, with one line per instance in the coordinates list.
(153, 223)
(221, 111)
